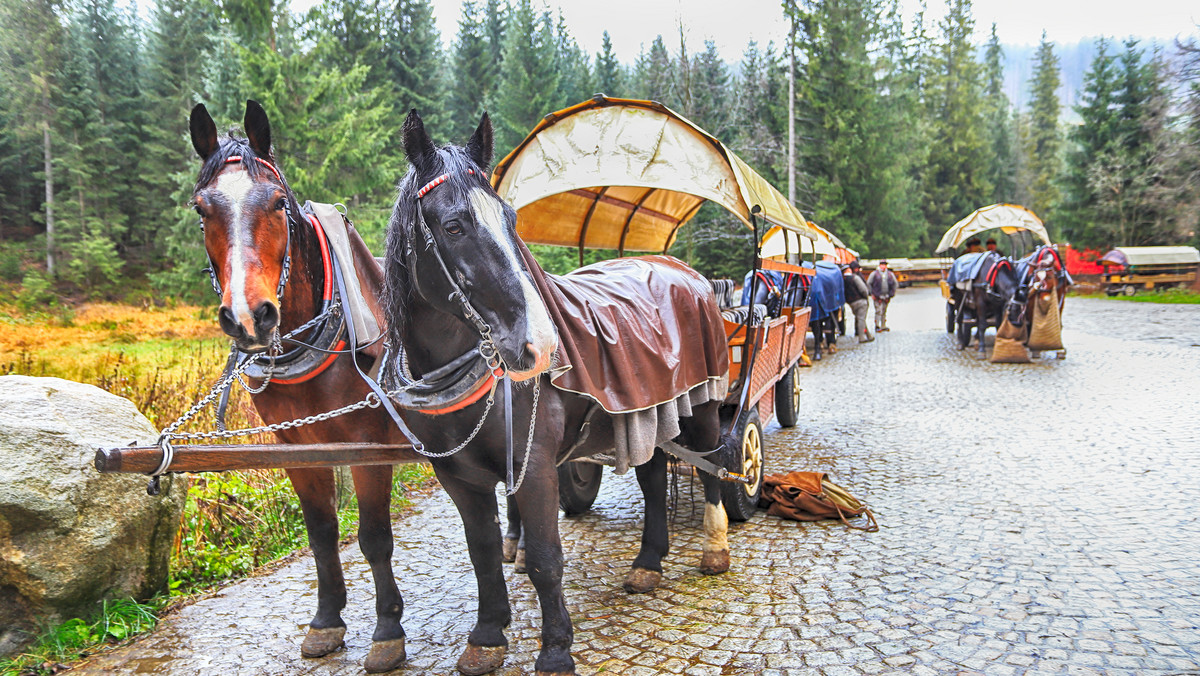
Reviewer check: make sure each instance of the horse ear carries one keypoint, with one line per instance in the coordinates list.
(418, 147)
(479, 148)
(204, 132)
(258, 129)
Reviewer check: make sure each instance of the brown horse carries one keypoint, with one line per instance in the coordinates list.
(274, 274)
(1041, 273)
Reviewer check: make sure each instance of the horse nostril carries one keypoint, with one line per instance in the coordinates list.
(266, 317)
(229, 324)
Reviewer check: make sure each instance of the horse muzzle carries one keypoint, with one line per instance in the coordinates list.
(253, 332)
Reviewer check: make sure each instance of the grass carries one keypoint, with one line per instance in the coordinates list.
(164, 360)
(77, 638)
(1173, 296)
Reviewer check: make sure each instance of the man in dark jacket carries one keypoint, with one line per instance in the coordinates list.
(882, 284)
(856, 298)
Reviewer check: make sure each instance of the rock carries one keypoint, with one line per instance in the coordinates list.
(70, 536)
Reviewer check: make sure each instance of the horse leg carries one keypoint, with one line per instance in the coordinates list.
(538, 500)
(981, 320)
(486, 645)
(714, 557)
(512, 537)
(702, 433)
(646, 572)
(318, 501)
(373, 485)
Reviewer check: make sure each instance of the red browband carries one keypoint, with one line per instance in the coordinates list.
(435, 183)
(238, 158)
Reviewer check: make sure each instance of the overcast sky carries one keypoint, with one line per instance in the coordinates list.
(633, 24)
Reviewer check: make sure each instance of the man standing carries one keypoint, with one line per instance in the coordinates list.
(882, 284)
(856, 297)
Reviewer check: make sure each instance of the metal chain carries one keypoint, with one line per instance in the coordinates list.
(371, 401)
(478, 426)
(537, 390)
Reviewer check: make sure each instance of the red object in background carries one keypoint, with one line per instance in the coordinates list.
(1083, 262)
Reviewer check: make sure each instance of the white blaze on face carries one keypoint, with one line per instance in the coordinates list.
(541, 335)
(235, 186)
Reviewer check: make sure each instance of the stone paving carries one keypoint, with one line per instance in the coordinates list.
(1035, 519)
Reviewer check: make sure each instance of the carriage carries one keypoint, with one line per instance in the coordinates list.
(625, 175)
(982, 288)
(1129, 268)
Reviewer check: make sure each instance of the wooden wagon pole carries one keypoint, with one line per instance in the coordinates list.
(222, 457)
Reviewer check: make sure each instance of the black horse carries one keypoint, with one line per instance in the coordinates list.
(985, 303)
(461, 290)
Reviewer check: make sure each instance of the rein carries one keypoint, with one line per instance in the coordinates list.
(465, 379)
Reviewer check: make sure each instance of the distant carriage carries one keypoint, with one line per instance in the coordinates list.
(1129, 268)
(986, 288)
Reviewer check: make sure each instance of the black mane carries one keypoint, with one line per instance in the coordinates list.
(464, 175)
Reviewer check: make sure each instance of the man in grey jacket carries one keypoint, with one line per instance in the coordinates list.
(856, 298)
(883, 285)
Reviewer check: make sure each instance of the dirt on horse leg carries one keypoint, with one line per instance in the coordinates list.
(715, 556)
(373, 485)
(318, 501)
(486, 645)
(538, 500)
(646, 572)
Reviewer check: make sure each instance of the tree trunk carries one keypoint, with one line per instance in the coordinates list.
(49, 198)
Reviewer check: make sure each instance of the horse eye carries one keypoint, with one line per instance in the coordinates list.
(453, 227)
(198, 210)
(281, 204)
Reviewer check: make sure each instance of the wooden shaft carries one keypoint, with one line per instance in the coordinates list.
(219, 458)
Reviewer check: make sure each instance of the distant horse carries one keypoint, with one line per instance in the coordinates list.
(984, 304)
(461, 288)
(273, 272)
(1039, 274)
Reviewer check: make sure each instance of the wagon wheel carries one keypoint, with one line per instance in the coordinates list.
(787, 397)
(949, 317)
(1129, 289)
(746, 458)
(578, 484)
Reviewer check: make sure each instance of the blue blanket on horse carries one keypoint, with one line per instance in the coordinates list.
(828, 292)
(965, 268)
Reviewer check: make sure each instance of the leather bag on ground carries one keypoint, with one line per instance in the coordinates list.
(811, 496)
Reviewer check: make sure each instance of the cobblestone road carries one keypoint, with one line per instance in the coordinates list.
(1035, 519)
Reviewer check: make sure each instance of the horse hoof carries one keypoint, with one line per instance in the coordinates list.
(385, 656)
(509, 550)
(642, 580)
(321, 642)
(477, 659)
(519, 561)
(1062, 354)
(715, 562)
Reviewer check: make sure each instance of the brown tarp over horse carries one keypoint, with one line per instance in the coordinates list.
(634, 333)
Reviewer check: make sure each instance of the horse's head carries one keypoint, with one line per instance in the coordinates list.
(244, 205)
(452, 244)
(1045, 272)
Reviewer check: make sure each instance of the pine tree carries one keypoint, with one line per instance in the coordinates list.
(413, 58)
(1044, 140)
(996, 112)
(576, 82)
(654, 74)
(960, 152)
(1089, 140)
(610, 77)
(474, 76)
(528, 86)
(31, 39)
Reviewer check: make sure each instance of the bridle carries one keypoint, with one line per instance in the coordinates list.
(286, 268)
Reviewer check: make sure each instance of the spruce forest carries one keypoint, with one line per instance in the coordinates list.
(902, 126)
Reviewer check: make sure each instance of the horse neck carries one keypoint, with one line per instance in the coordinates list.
(302, 296)
(435, 338)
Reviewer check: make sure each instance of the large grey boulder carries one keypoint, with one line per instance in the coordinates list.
(70, 536)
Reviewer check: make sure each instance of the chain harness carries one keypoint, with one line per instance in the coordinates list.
(235, 370)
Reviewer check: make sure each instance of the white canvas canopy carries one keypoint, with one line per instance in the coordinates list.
(1152, 255)
(778, 243)
(1008, 218)
(626, 174)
